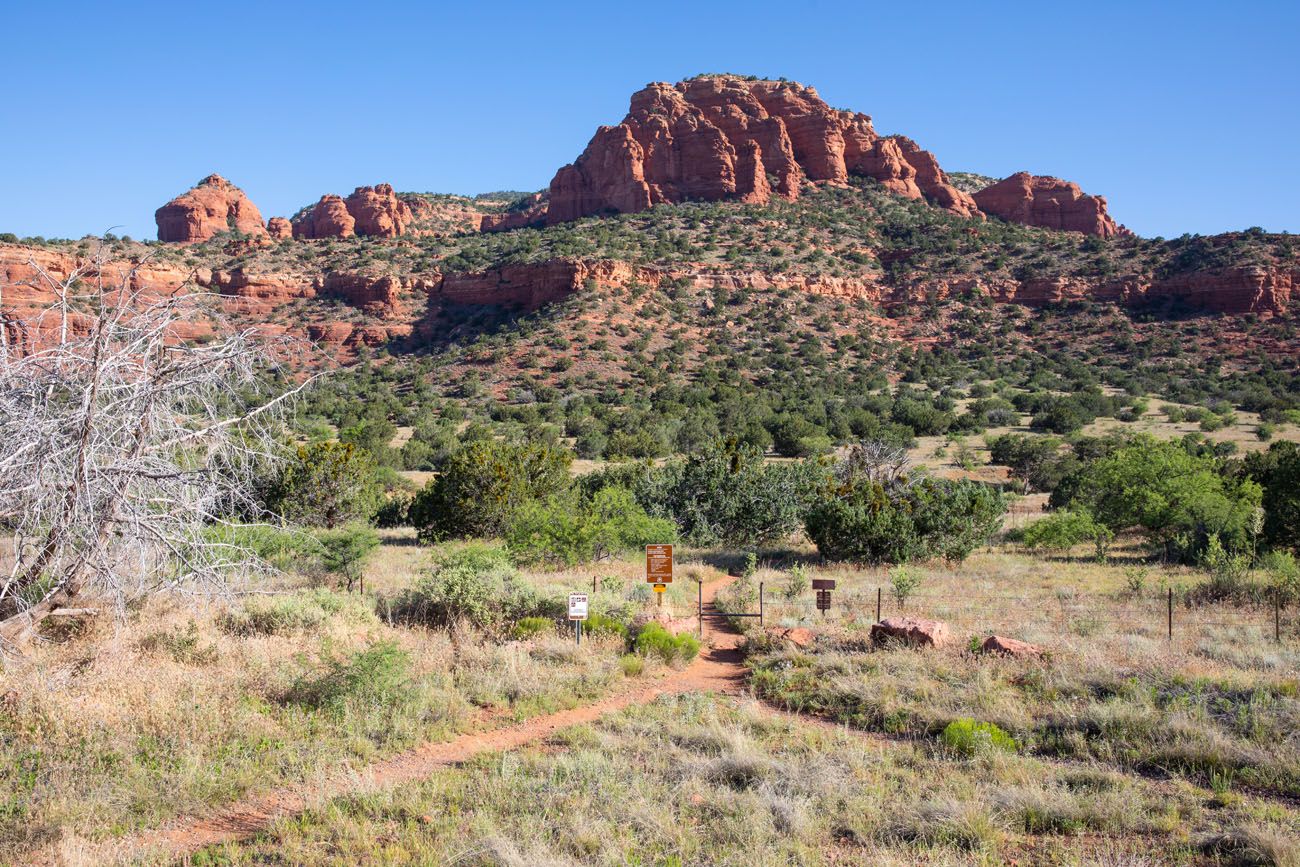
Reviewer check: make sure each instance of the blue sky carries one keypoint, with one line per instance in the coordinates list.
(1185, 115)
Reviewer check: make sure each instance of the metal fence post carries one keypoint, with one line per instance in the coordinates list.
(1171, 614)
(699, 606)
(760, 604)
(1277, 615)
(878, 595)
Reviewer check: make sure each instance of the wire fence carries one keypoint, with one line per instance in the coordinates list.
(1149, 615)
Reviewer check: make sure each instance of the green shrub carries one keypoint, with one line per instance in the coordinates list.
(344, 551)
(326, 485)
(655, 640)
(530, 627)
(603, 624)
(376, 675)
(903, 582)
(1061, 531)
(482, 488)
(968, 738)
(477, 583)
(564, 533)
(281, 548)
(294, 612)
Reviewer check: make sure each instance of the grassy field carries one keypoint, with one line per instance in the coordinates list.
(1123, 747)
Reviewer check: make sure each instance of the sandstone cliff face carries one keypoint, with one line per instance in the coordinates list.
(722, 138)
(529, 286)
(215, 205)
(279, 228)
(370, 211)
(1048, 202)
(378, 212)
(532, 214)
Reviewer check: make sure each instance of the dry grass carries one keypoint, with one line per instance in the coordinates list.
(700, 780)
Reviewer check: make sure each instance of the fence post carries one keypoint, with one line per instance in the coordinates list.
(1171, 614)
(699, 606)
(878, 593)
(1277, 615)
(593, 585)
(760, 603)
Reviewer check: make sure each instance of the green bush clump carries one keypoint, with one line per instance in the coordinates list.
(968, 738)
(326, 484)
(482, 488)
(530, 627)
(477, 583)
(562, 532)
(294, 612)
(876, 512)
(1063, 530)
(376, 675)
(655, 640)
(603, 624)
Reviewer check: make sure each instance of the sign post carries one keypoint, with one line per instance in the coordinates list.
(823, 586)
(659, 568)
(578, 612)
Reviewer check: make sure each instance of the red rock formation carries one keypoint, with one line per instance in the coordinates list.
(531, 213)
(214, 206)
(439, 215)
(378, 212)
(1048, 202)
(279, 228)
(328, 218)
(720, 138)
(531, 285)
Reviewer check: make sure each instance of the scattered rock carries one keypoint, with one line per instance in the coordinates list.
(914, 631)
(213, 206)
(1010, 647)
(798, 635)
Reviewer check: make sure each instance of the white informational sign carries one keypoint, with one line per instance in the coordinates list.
(577, 606)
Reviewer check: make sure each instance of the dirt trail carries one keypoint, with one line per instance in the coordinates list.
(718, 668)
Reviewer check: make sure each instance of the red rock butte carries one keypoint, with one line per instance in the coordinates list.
(718, 138)
(211, 207)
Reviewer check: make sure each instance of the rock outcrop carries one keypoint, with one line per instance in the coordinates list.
(532, 212)
(1004, 646)
(375, 212)
(378, 212)
(279, 228)
(328, 218)
(529, 286)
(211, 207)
(1048, 202)
(719, 137)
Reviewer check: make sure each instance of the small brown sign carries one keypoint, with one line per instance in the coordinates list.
(823, 600)
(659, 564)
(823, 583)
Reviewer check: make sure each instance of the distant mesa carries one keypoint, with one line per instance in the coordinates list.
(211, 207)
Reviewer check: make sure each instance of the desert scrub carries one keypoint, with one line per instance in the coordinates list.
(545, 674)
(171, 714)
(296, 611)
(475, 583)
(1133, 716)
(968, 738)
(655, 640)
(696, 779)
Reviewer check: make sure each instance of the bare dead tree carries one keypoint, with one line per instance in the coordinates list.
(123, 447)
(874, 461)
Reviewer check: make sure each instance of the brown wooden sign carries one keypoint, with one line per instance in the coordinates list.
(659, 564)
(823, 600)
(823, 583)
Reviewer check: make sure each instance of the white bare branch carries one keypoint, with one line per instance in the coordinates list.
(123, 448)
